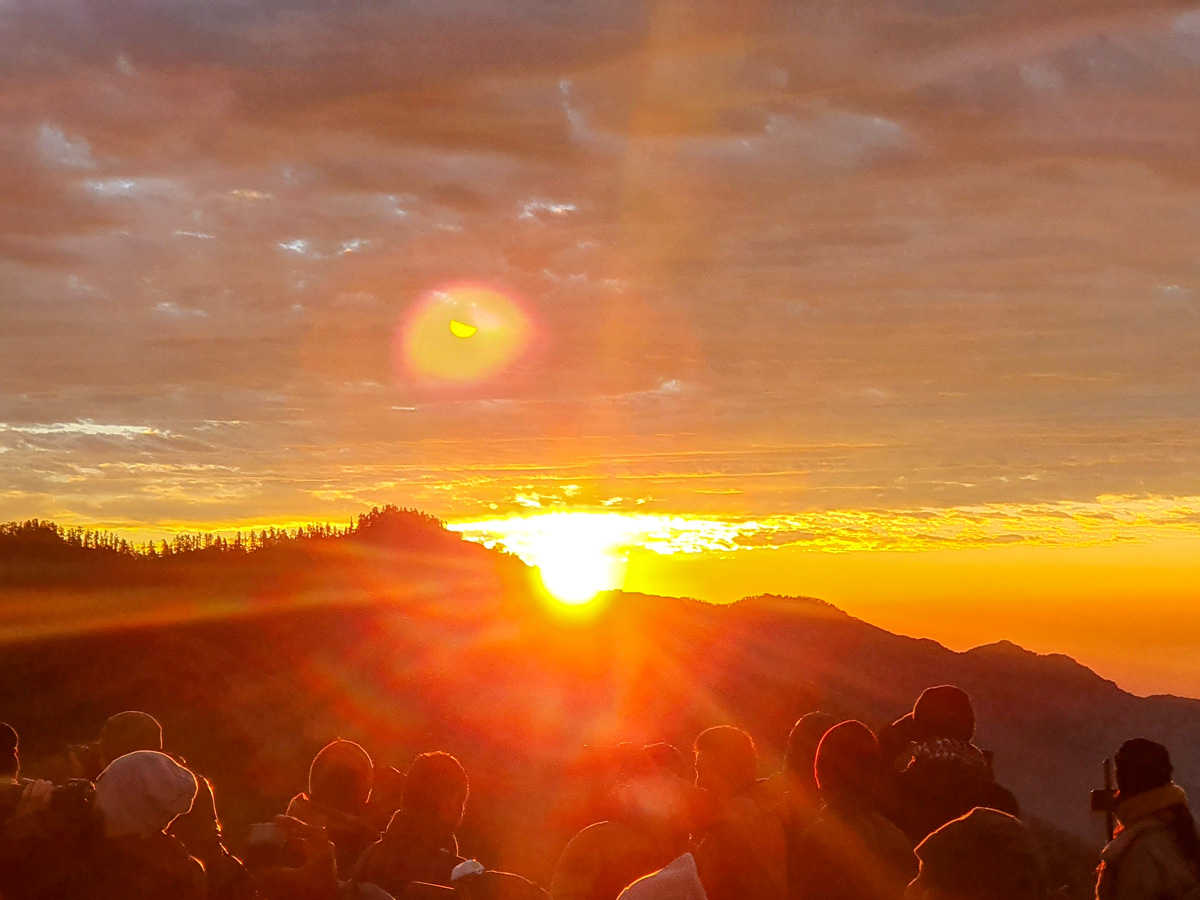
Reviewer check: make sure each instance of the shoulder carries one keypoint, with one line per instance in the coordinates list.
(1145, 859)
(157, 859)
(1140, 835)
(587, 841)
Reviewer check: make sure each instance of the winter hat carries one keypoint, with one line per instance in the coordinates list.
(129, 731)
(142, 793)
(341, 776)
(1142, 766)
(678, 881)
(9, 763)
(984, 855)
(848, 760)
(944, 712)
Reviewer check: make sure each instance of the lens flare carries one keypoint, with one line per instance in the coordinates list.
(460, 335)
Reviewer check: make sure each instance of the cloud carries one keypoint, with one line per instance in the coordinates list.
(249, 194)
(299, 246)
(56, 149)
(82, 426)
(171, 310)
(1104, 521)
(539, 210)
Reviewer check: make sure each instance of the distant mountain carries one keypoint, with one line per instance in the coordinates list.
(401, 636)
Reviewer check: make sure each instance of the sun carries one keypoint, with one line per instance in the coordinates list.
(576, 575)
(578, 555)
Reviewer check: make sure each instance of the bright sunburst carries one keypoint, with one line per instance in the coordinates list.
(579, 555)
(576, 574)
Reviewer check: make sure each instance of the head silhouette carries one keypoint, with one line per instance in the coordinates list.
(944, 712)
(128, 732)
(437, 785)
(340, 777)
(1142, 766)
(726, 760)
(848, 762)
(802, 744)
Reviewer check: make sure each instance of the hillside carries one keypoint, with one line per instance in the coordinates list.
(408, 641)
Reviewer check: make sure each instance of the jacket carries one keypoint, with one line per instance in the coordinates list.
(605, 858)
(414, 847)
(349, 834)
(1143, 861)
(742, 855)
(851, 852)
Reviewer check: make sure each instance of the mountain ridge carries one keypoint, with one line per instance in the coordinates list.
(409, 639)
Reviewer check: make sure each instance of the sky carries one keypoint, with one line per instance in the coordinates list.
(894, 302)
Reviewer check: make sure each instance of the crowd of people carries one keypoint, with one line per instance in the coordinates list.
(911, 812)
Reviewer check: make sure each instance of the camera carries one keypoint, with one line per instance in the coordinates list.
(268, 844)
(71, 808)
(1103, 800)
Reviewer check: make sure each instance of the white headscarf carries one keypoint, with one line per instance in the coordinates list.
(143, 792)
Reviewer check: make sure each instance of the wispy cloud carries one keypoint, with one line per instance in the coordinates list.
(170, 310)
(1106, 520)
(536, 210)
(57, 149)
(82, 426)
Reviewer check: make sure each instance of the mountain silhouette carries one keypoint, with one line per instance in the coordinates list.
(395, 633)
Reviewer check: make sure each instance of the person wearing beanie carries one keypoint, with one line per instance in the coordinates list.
(742, 850)
(141, 793)
(852, 851)
(946, 775)
(1155, 851)
(339, 786)
(984, 855)
(127, 732)
(138, 796)
(944, 711)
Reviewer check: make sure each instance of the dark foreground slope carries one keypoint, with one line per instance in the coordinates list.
(413, 645)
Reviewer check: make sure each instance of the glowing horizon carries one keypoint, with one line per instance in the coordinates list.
(1049, 577)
